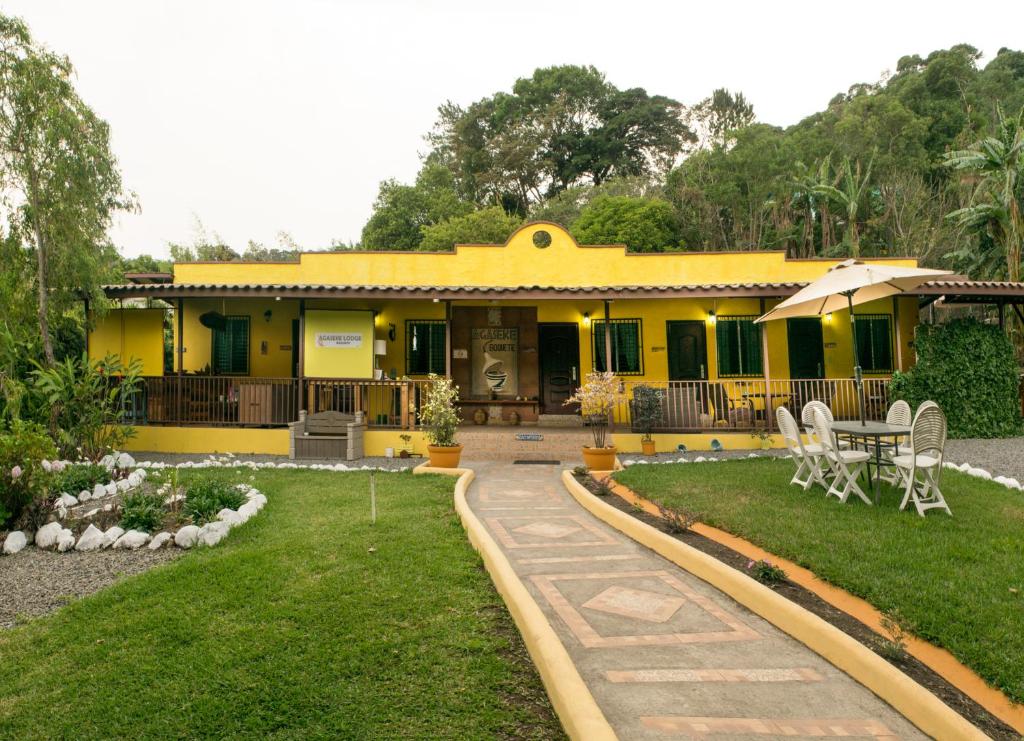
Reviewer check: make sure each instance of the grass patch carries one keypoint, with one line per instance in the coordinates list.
(307, 622)
(957, 580)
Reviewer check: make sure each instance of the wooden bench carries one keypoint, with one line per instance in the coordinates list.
(327, 435)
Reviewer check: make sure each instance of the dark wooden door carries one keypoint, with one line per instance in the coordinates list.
(806, 348)
(559, 346)
(687, 351)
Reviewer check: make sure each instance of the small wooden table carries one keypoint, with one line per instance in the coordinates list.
(868, 432)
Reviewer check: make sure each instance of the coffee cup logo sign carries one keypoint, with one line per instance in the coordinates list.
(495, 361)
(349, 340)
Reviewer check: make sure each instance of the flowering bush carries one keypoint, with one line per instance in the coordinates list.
(438, 412)
(597, 399)
(26, 471)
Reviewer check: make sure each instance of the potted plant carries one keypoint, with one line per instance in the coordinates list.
(764, 438)
(406, 450)
(597, 398)
(440, 420)
(648, 411)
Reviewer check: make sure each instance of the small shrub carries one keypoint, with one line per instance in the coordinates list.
(766, 572)
(142, 511)
(580, 471)
(438, 413)
(678, 521)
(79, 477)
(24, 482)
(893, 646)
(648, 409)
(602, 489)
(204, 498)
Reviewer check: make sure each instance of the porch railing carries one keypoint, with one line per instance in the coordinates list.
(242, 401)
(749, 405)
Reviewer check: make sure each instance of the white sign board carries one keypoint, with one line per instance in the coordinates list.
(339, 339)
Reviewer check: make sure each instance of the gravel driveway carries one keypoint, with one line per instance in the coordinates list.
(1002, 457)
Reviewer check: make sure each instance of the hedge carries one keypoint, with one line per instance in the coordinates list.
(970, 370)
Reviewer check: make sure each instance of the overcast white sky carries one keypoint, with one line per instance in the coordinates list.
(259, 117)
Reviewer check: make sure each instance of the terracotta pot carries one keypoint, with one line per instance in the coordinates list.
(647, 446)
(599, 459)
(444, 457)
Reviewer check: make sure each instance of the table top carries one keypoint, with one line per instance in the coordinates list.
(870, 429)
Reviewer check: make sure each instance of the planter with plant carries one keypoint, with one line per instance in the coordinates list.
(440, 420)
(763, 437)
(597, 398)
(648, 411)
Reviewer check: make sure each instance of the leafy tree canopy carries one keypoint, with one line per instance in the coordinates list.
(642, 224)
(486, 226)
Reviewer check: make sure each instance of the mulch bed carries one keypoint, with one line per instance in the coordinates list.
(909, 665)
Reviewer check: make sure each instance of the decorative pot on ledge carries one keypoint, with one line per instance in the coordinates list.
(599, 459)
(444, 457)
(648, 447)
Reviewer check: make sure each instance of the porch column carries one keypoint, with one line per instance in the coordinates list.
(181, 351)
(301, 370)
(607, 336)
(898, 334)
(769, 412)
(448, 338)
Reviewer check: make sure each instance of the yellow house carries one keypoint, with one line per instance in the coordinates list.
(517, 326)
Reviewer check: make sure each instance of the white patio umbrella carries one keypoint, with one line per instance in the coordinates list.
(848, 284)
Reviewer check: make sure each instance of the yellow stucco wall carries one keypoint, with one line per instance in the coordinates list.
(325, 361)
(201, 440)
(517, 263)
(130, 334)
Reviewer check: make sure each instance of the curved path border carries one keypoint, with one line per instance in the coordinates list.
(917, 704)
(939, 660)
(575, 705)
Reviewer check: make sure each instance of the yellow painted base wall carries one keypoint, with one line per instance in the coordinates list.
(666, 443)
(203, 440)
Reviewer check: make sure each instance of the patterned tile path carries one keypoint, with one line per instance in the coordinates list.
(664, 654)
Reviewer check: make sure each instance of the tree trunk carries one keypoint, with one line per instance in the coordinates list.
(41, 283)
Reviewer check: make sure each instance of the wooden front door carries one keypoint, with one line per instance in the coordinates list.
(687, 351)
(559, 347)
(806, 348)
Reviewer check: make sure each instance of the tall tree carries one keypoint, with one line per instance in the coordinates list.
(720, 114)
(996, 165)
(849, 193)
(60, 181)
(642, 224)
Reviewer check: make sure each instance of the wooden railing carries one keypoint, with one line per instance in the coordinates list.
(243, 401)
(749, 405)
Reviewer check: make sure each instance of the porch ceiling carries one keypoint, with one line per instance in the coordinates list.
(955, 291)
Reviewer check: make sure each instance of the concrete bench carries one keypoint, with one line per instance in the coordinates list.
(327, 435)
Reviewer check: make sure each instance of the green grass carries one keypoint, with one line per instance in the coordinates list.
(291, 628)
(952, 577)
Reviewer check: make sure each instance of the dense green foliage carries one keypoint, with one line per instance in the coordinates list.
(81, 477)
(969, 369)
(486, 226)
(957, 580)
(142, 511)
(208, 495)
(23, 480)
(878, 171)
(307, 623)
(645, 224)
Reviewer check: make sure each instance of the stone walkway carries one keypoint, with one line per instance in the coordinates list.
(664, 654)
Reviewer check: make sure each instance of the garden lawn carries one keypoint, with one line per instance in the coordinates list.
(306, 622)
(959, 580)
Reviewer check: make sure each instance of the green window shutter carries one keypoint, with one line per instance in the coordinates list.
(230, 354)
(874, 343)
(739, 347)
(627, 347)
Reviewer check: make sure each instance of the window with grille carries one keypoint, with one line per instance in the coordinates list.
(739, 346)
(230, 355)
(874, 342)
(627, 347)
(424, 347)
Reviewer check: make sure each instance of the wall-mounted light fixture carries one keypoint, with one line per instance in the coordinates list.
(828, 317)
(266, 315)
(711, 317)
(586, 318)
(392, 331)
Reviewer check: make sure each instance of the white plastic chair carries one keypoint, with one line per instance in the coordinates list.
(899, 414)
(846, 465)
(807, 418)
(809, 459)
(921, 468)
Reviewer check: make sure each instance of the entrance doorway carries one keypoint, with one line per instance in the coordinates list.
(806, 348)
(687, 351)
(559, 349)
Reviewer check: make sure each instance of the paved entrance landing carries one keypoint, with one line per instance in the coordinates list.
(664, 654)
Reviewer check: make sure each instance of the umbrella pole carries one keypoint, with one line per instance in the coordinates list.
(858, 375)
